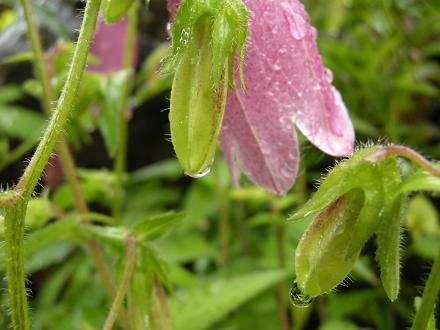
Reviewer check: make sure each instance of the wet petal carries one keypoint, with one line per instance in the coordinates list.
(284, 76)
(265, 147)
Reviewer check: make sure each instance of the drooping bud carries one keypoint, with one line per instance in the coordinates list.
(322, 258)
(197, 107)
(339, 210)
(205, 37)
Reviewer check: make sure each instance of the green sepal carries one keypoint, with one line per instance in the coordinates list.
(114, 10)
(380, 182)
(228, 20)
(321, 261)
(197, 107)
(388, 245)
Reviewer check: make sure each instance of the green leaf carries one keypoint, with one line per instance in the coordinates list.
(21, 123)
(112, 236)
(420, 180)
(422, 217)
(114, 10)
(388, 245)
(110, 115)
(157, 226)
(10, 93)
(201, 307)
(19, 57)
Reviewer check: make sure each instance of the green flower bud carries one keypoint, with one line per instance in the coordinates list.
(322, 258)
(197, 107)
(206, 36)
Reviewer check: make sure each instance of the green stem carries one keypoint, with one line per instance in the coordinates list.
(14, 232)
(282, 288)
(16, 212)
(128, 270)
(41, 72)
(67, 162)
(430, 295)
(61, 114)
(121, 155)
(398, 150)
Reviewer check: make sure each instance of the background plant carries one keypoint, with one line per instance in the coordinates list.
(229, 250)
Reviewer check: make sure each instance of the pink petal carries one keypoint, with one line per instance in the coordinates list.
(264, 146)
(173, 5)
(108, 46)
(284, 76)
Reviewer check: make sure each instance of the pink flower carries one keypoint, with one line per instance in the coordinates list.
(108, 46)
(286, 87)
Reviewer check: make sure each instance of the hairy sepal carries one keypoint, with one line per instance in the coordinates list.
(197, 106)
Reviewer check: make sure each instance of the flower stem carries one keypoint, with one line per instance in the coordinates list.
(128, 270)
(398, 150)
(14, 231)
(121, 155)
(61, 114)
(16, 212)
(67, 161)
(430, 295)
(282, 288)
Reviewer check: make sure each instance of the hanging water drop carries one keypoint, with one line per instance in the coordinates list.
(298, 298)
(200, 174)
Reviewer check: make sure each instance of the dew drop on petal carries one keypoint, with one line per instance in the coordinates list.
(200, 174)
(298, 25)
(298, 298)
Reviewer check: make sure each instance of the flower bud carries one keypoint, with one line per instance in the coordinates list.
(322, 258)
(197, 107)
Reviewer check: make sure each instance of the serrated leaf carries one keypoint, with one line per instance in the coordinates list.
(157, 226)
(113, 236)
(110, 115)
(388, 245)
(201, 307)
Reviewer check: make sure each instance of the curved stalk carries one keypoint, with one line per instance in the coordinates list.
(128, 270)
(430, 295)
(61, 114)
(16, 212)
(67, 161)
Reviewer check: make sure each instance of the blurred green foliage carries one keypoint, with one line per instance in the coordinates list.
(225, 255)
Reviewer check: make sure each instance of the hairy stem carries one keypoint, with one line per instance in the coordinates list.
(398, 150)
(128, 270)
(67, 161)
(121, 155)
(430, 295)
(14, 232)
(16, 212)
(61, 114)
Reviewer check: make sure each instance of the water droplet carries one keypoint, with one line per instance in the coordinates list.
(298, 298)
(198, 174)
(298, 25)
(328, 75)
